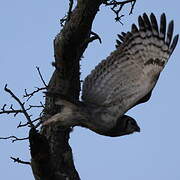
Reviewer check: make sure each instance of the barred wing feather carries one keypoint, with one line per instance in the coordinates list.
(130, 73)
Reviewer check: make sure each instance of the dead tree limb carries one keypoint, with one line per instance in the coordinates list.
(69, 46)
(117, 6)
(14, 138)
(42, 79)
(51, 154)
(11, 110)
(27, 124)
(29, 95)
(20, 161)
(21, 105)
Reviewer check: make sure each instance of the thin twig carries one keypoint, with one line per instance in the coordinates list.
(15, 112)
(117, 7)
(39, 72)
(21, 105)
(63, 20)
(38, 124)
(26, 124)
(68, 15)
(70, 9)
(29, 95)
(132, 6)
(3, 108)
(20, 161)
(35, 106)
(14, 138)
(118, 3)
(42, 104)
(11, 111)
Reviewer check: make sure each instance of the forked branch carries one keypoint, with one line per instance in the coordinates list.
(23, 109)
(27, 124)
(29, 95)
(117, 6)
(37, 89)
(11, 110)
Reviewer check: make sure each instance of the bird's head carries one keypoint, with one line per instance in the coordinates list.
(125, 125)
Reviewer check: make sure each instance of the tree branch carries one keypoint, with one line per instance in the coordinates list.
(20, 161)
(21, 105)
(113, 2)
(40, 156)
(42, 79)
(11, 111)
(117, 7)
(27, 124)
(29, 95)
(92, 38)
(14, 138)
(70, 9)
(50, 150)
(69, 46)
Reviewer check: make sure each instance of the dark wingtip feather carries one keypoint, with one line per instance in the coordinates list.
(150, 23)
(141, 23)
(134, 28)
(128, 35)
(163, 26)
(147, 21)
(120, 37)
(123, 34)
(170, 32)
(174, 43)
(154, 22)
(118, 42)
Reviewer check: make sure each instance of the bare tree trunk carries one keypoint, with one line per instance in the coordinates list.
(51, 154)
(69, 45)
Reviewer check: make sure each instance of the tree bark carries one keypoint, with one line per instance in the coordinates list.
(51, 153)
(55, 161)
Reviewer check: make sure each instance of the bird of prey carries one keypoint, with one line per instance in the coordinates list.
(121, 81)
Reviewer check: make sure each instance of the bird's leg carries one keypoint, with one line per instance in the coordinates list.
(70, 115)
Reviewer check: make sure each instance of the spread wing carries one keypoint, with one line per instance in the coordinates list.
(129, 74)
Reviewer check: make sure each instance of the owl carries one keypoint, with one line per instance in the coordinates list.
(123, 80)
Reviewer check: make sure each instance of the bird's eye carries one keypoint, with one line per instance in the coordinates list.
(128, 124)
(133, 122)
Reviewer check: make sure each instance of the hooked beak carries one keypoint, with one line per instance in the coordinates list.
(137, 129)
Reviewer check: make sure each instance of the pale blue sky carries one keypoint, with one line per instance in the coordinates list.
(26, 41)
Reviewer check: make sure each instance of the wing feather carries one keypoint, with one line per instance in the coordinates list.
(130, 72)
(154, 24)
(163, 26)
